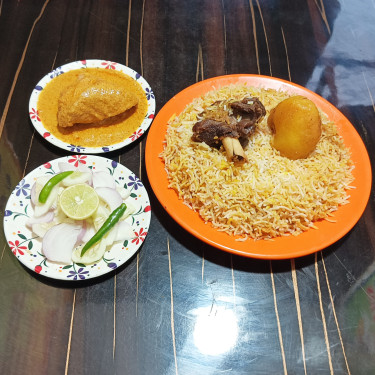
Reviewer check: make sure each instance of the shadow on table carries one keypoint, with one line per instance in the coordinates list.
(80, 283)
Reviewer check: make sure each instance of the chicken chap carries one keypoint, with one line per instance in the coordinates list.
(92, 107)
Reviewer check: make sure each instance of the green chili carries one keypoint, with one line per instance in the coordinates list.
(52, 182)
(113, 218)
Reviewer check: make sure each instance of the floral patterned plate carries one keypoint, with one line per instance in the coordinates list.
(83, 64)
(27, 247)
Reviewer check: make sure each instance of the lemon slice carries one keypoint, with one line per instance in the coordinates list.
(79, 201)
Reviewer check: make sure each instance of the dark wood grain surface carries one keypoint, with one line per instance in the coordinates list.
(175, 306)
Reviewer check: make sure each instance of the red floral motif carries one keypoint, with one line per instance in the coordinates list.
(136, 134)
(16, 247)
(37, 269)
(151, 116)
(47, 165)
(76, 160)
(140, 236)
(109, 65)
(34, 114)
(147, 208)
(46, 134)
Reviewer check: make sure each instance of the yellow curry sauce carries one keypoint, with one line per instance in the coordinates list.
(91, 135)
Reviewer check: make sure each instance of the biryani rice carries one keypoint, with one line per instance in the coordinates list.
(270, 195)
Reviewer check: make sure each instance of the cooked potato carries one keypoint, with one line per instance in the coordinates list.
(296, 125)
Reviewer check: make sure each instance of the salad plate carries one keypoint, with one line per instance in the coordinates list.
(27, 247)
(84, 64)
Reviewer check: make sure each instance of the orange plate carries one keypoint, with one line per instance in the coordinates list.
(282, 247)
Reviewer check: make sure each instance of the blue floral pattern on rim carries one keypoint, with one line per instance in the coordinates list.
(22, 188)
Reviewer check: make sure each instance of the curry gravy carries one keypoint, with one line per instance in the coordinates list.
(90, 135)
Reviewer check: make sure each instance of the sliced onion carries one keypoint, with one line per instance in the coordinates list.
(63, 167)
(103, 179)
(40, 229)
(59, 241)
(124, 231)
(100, 216)
(90, 231)
(110, 196)
(46, 218)
(92, 255)
(37, 187)
(42, 208)
(130, 209)
(82, 232)
(33, 196)
(125, 193)
(77, 178)
(110, 237)
(60, 217)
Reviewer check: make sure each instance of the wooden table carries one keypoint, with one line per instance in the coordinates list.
(180, 306)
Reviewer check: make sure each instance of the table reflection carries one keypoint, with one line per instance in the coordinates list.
(215, 330)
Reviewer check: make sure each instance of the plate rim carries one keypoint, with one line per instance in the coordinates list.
(83, 64)
(153, 167)
(105, 269)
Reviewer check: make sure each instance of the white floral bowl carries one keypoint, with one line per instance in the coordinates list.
(83, 64)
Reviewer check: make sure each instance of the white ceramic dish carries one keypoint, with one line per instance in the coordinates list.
(83, 64)
(28, 248)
